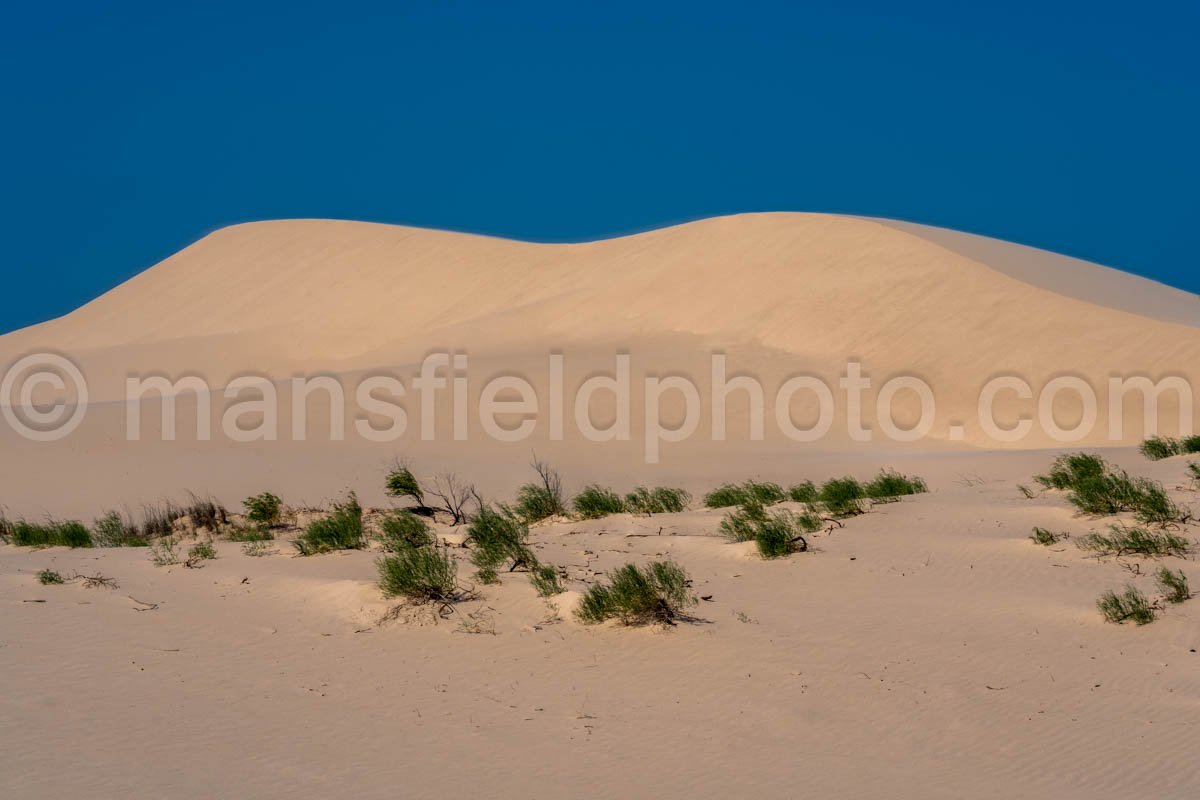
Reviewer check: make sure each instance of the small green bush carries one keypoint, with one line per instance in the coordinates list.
(51, 533)
(420, 574)
(742, 525)
(1157, 448)
(206, 513)
(782, 533)
(1070, 469)
(1044, 537)
(655, 593)
(202, 551)
(159, 520)
(113, 530)
(546, 580)
(841, 496)
(659, 500)
(535, 503)
(401, 482)
(1124, 540)
(594, 502)
(732, 494)
(724, 496)
(890, 484)
(500, 538)
(250, 534)
(164, 552)
(341, 530)
(1130, 605)
(49, 577)
(487, 575)
(263, 509)
(1193, 470)
(403, 530)
(805, 492)
(1190, 444)
(1173, 585)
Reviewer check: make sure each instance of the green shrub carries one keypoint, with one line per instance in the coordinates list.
(403, 530)
(1173, 585)
(741, 525)
(159, 520)
(401, 482)
(487, 575)
(782, 533)
(113, 530)
(1190, 444)
(546, 580)
(655, 593)
(890, 484)
(595, 502)
(206, 513)
(250, 534)
(49, 577)
(732, 494)
(1095, 487)
(805, 492)
(164, 552)
(541, 500)
(659, 500)
(341, 530)
(202, 551)
(420, 574)
(841, 496)
(1044, 537)
(499, 538)
(263, 508)
(1193, 470)
(1123, 540)
(1071, 468)
(1130, 605)
(1157, 448)
(51, 533)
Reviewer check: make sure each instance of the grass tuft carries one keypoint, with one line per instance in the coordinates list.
(594, 502)
(736, 494)
(341, 530)
(655, 593)
(1046, 538)
(890, 485)
(164, 552)
(402, 530)
(805, 492)
(421, 575)
(1095, 487)
(500, 538)
(1129, 606)
(202, 551)
(263, 509)
(1173, 585)
(1124, 540)
(51, 533)
(659, 500)
(114, 530)
(841, 496)
(546, 580)
(49, 577)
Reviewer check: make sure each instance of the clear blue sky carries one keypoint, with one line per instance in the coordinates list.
(130, 129)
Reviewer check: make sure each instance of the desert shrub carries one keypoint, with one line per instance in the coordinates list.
(500, 538)
(159, 520)
(1044, 537)
(263, 509)
(657, 592)
(51, 533)
(890, 484)
(841, 496)
(741, 525)
(1130, 605)
(594, 502)
(782, 533)
(1095, 487)
(1193, 470)
(403, 530)
(250, 534)
(724, 496)
(1124, 540)
(420, 574)
(114, 530)
(49, 577)
(206, 512)
(735, 494)
(164, 552)
(659, 500)
(1173, 585)
(202, 551)
(256, 549)
(1157, 448)
(400, 482)
(546, 580)
(487, 575)
(805, 492)
(341, 530)
(1190, 444)
(541, 500)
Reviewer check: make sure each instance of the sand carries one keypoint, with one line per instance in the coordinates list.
(928, 649)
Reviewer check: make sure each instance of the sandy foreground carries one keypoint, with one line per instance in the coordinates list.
(928, 649)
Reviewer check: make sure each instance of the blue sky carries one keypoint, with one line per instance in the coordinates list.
(132, 129)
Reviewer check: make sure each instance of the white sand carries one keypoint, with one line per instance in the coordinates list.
(926, 650)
